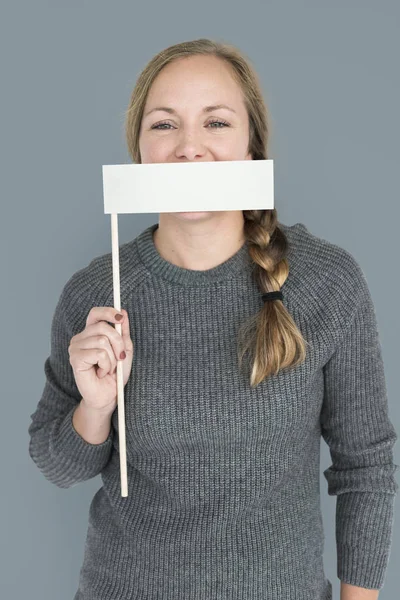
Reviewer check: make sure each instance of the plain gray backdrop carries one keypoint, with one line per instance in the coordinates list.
(330, 75)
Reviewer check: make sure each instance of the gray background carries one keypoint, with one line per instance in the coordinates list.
(330, 76)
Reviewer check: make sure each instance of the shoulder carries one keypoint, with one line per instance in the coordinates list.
(310, 247)
(326, 272)
(92, 285)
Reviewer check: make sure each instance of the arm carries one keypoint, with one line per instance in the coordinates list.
(93, 425)
(63, 455)
(356, 426)
(352, 592)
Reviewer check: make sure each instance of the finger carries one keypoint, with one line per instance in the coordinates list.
(113, 341)
(125, 332)
(83, 359)
(102, 313)
(102, 342)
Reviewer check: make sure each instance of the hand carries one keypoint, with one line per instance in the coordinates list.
(93, 356)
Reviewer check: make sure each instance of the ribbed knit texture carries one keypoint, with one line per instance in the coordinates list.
(223, 480)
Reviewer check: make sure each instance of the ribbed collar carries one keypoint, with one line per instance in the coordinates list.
(238, 265)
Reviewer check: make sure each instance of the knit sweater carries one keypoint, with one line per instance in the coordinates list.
(224, 479)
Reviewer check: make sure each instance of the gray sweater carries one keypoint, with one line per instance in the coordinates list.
(224, 480)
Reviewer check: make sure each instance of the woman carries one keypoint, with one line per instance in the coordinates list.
(223, 454)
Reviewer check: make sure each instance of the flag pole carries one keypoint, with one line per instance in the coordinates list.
(120, 377)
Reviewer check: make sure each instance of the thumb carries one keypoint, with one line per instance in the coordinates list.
(125, 330)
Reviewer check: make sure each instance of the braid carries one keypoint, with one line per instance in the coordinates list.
(268, 247)
(271, 336)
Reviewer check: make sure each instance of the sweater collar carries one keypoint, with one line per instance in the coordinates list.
(240, 264)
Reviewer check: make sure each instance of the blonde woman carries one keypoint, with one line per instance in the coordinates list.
(244, 341)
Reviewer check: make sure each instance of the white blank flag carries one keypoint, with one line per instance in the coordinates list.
(188, 187)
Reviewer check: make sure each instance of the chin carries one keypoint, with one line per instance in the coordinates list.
(194, 214)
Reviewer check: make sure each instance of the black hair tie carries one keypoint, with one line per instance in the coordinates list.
(272, 296)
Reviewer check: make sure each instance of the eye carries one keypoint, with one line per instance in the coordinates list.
(224, 123)
(220, 122)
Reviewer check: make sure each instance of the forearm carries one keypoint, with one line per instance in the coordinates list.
(92, 425)
(352, 592)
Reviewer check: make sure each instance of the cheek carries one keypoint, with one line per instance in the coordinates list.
(158, 146)
(153, 151)
(227, 145)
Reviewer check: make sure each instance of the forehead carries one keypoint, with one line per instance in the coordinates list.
(194, 75)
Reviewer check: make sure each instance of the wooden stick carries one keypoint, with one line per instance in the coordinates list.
(120, 375)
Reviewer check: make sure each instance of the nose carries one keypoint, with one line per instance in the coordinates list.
(190, 146)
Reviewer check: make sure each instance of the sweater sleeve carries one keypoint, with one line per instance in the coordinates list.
(355, 425)
(57, 449)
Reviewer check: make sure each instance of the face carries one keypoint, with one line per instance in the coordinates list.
(187, 131)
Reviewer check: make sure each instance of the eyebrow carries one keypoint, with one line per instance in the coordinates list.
(206, 109)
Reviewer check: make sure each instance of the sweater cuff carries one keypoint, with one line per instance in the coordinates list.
(364, 522)
(77, 450)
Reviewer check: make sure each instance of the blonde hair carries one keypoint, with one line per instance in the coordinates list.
(271, 334)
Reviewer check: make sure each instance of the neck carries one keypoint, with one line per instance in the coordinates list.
(199, 241)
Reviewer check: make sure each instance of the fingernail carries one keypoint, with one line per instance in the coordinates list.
(122, 355)
(119, 317)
